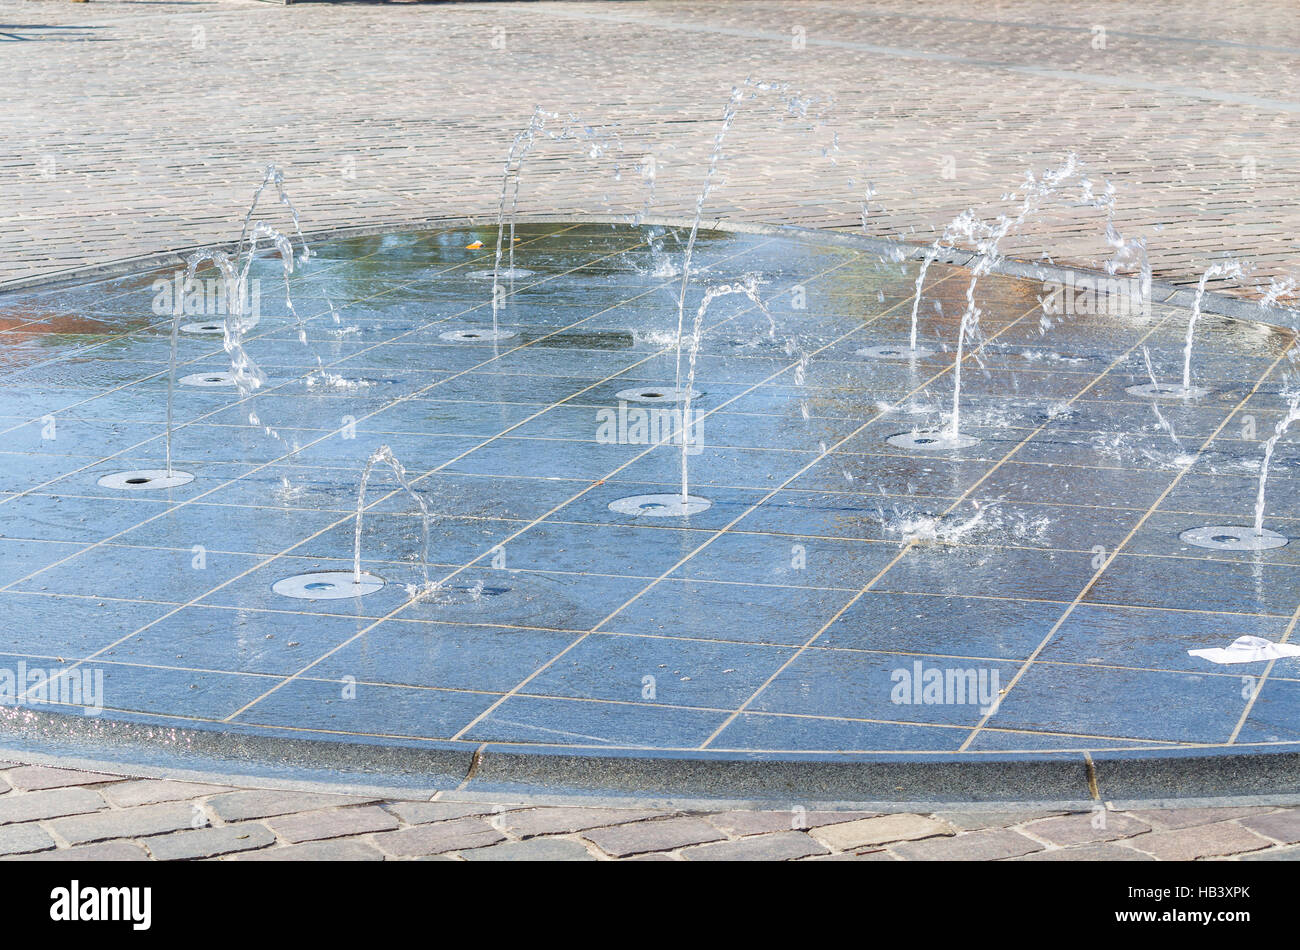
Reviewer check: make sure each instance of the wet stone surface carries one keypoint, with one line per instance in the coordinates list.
(1025, 589)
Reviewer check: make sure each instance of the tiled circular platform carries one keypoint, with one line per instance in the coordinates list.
(804, 614)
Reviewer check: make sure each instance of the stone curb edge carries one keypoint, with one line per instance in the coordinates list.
(499, 771)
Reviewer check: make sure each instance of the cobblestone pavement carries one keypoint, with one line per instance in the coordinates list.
(143, 126)
(53, 814)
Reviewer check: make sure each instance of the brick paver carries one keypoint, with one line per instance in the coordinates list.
(534, 849)
(54, 803)
(106, 851)
(988, 845)
(1082, 829)
(336, 850)
(1281, 826)
(560, 820)
(36, 777)
(639, 837)
(1191, 842)
(24, 839)
(782, 846)
(257, 803)
(124, 823)
(337, 823)
(1093, 852)
(155, 791)
(210, 842)
(116, 818)
(886, 828)
(439, 837)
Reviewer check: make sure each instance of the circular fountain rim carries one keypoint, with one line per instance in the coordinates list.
(145, 479)
(1134, 774)
(894, 351)
(660, 505)
(655, 395)
(492, 771)
(932, 440)
(209, 380)
(319, 585)
(1167, 391)
(477, 335)
(1234, 538)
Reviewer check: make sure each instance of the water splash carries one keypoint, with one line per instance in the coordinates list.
(728, 118)
(1293, 413)
(233, 271)
(989, 526)
(596, 143)
(988, 238)
(1277, 291)
(247, 376)
(1228, 268)
(747, 286)
(384, 455)
(965, 223)
(1155, 405)
(795, 105)
(274, 176)
(1128, 253)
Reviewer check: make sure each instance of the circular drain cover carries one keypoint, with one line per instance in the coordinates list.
(328, 585)
(655, 394)
(505, 273)
(146, 478)
(897, 351)
(1234, 538)
(1166, 391)
(208, 379)
(476, 336)
(660, 506)
(218, 326)
(931, 441)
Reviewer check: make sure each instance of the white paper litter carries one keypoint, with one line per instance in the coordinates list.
(1248, 650)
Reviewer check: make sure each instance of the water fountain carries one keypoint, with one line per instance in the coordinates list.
(596, 145)
(684, 428)
(241, 314)
(1254, 537)
(985, 565)
(966, 224)
(795, 105)
(338, 584)
(1185, 389)
(987, 239)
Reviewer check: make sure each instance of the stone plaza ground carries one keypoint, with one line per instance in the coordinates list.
(142, 128)
(59, 814)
